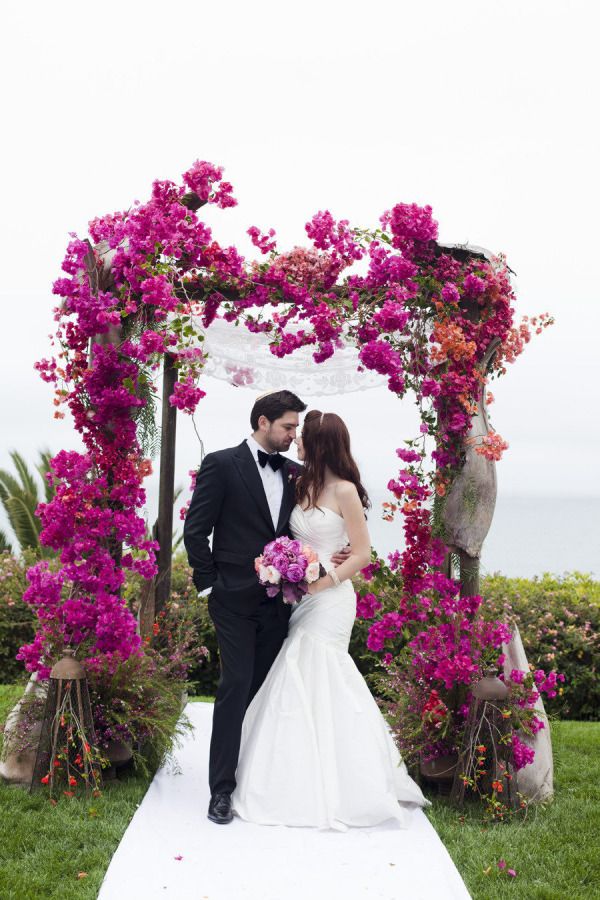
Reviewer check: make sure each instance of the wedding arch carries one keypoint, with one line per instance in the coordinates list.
(359, 306)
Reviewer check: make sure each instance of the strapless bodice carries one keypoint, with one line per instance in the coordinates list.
(322, 528)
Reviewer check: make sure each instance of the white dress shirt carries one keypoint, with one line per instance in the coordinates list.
(272, 481)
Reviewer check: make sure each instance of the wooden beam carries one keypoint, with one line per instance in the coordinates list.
(166, 491)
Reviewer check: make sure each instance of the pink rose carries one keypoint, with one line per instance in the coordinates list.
(295, 573)
(312, 571)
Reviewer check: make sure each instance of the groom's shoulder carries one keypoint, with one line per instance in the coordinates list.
(226, 453)
(215, 457)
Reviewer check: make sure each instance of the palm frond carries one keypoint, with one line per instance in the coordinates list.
(23, 522)
(30, 485)
(9, 486)
(5, 545)
(43, 468)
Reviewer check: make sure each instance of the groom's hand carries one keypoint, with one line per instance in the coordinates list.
(341, 556)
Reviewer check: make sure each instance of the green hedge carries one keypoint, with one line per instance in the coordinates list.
(559, 621)
(17, 624)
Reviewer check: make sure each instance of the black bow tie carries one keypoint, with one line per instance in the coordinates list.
(275, 460)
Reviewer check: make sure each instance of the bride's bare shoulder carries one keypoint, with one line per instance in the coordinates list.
(345, 490)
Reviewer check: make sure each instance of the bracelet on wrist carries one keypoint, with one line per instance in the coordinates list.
(334, 577)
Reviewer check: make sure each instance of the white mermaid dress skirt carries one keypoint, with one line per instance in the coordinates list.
(316, 750)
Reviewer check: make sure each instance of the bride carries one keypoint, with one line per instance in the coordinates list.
(315, 748)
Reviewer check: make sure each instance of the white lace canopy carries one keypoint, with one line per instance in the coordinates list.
(240, 357)
(243, 358)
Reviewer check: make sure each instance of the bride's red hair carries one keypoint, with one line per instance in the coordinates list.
(326, 443)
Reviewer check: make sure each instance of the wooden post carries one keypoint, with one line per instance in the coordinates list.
(146, 609)
(166, 491)
(469, 574)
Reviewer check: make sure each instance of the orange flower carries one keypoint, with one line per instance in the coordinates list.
(68, 793)
(498, 786)
(156, 628)
(72, 781)
(452, 343)
(145, 467)
(45, 779)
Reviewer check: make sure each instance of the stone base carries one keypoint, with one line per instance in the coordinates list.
(536, 781)
(17, 768)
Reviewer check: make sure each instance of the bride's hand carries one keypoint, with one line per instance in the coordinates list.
(341, 556)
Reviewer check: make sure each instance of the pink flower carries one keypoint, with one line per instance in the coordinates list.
(367, 605)
(202, 178)
(264, 242)
(474, 286)
(450, 293)
(186, 395)
(522, 754)
(412, 227)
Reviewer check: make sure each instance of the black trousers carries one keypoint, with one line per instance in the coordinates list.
(248, 645)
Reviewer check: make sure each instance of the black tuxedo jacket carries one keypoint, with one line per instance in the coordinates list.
(229, 500)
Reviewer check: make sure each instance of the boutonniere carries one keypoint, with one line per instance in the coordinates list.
(292, 473)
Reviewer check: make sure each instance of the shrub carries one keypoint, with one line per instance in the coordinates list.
(17, 622)
(559, 621)
(204, 674)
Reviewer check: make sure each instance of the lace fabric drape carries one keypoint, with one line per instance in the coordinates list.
(243, 358)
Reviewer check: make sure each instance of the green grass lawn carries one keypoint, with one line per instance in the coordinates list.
(555, 850)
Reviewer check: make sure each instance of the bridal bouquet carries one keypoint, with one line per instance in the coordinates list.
(289, 566)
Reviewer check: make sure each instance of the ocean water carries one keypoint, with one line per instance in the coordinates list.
(528, 535)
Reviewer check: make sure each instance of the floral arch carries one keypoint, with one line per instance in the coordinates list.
(149, 287)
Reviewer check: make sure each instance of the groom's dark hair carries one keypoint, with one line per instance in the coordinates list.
(274, 405)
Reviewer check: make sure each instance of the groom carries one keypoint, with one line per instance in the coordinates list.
(244, 496)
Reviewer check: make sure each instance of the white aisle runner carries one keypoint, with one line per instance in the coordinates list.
(242, 861)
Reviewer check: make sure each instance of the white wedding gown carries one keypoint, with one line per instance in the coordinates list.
(316, 750)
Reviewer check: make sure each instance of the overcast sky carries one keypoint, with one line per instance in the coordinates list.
(485, 110)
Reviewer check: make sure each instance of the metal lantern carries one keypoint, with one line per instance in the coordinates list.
(486, 727)
(67, 730)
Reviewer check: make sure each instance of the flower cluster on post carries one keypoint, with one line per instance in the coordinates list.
(157, 278)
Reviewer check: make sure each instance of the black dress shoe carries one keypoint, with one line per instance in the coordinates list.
(219, 809)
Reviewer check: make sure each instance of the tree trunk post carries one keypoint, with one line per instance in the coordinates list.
(166, 492)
